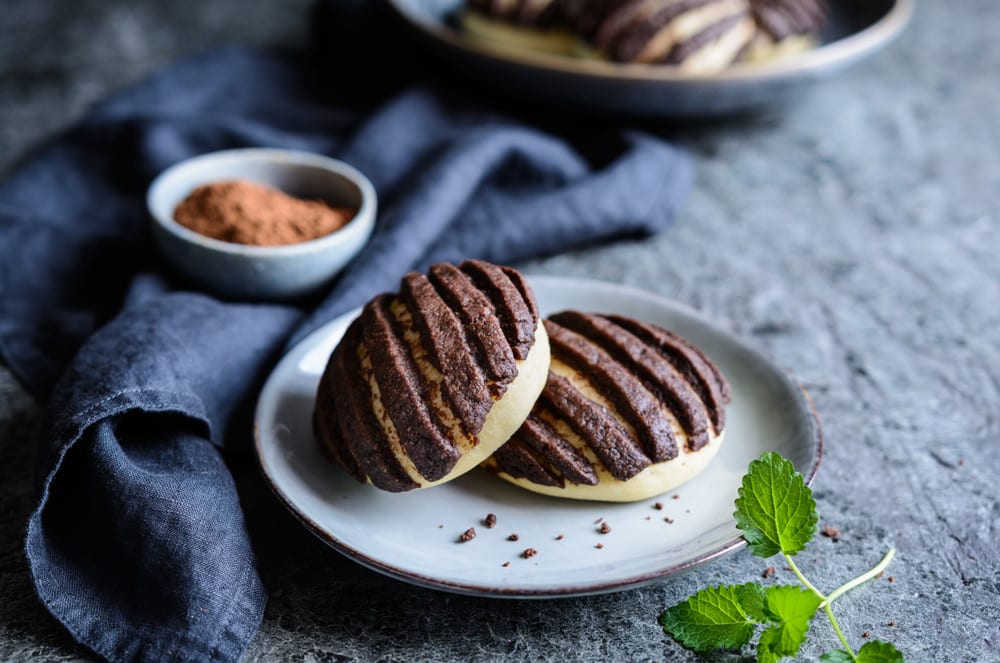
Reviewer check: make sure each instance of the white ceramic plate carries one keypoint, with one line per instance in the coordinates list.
(415, 536)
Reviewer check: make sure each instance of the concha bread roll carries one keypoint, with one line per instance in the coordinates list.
(785, 27)
(696, 36)
(428, 382)
(534, 25)
(630, 410)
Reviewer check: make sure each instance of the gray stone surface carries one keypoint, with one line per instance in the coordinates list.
(852, 238)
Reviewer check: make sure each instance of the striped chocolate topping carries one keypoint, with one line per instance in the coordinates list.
(534, 13)
(409, 387)
(664, 31)
(621, 395)
(784, 18)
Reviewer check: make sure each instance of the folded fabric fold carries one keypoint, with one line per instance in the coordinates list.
(138, 544)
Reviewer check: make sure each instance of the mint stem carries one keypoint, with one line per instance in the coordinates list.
(802, 578)
(840, 634)
(864, 577)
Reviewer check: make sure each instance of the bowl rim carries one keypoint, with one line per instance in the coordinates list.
(360, 224)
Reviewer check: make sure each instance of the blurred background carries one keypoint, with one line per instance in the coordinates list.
(851, 236)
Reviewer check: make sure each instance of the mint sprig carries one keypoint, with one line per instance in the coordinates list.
(776, 512)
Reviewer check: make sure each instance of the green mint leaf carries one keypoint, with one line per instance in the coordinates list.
(751, 597)
(790, 609)
(876, 651)
(879, 651)
(775, 508)
(715, 618)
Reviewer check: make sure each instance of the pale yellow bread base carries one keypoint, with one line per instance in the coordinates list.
(654, 480)
(515, 37)
(765, 49)
(509, 411)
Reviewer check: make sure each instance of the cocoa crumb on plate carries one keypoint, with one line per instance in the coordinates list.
(467, 535)
(490, 520)
(529, 553)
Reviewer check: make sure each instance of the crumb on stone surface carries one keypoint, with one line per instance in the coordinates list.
(892, 622)
(769, 572)
(830, 532)
(490, 520)
(892, 578)
(468, 535)
(529, 553)
(866, 634)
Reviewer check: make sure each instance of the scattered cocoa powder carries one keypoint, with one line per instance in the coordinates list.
(248, 213)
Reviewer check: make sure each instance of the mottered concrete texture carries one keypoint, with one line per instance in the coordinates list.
(852, 237)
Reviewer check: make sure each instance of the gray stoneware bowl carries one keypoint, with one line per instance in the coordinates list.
(262, 273)
(857, 29)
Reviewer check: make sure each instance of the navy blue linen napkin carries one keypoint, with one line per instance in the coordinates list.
(138, 544)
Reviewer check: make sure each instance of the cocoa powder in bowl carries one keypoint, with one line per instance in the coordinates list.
(245, 212)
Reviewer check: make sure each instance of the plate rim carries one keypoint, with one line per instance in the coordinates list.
(534, 593)
(836, 53)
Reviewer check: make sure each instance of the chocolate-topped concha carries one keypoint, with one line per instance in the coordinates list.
(785, 27)
(696, 36)
(429, 381)
(536, 25)
(629, 410)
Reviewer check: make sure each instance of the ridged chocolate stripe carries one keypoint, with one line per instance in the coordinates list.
(686, 48)
(706, 379)
(626, 392)
(657, 373)
(368, 446)
(482, 328)
(562, 456)
(326, 425)
(630, 37)
(441, 334)
(599, 429)
(518, 317)
(404, 395)
(521, 462)
(784, 18)
(533, 13)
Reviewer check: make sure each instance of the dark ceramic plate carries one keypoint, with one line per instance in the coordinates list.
(857, 29)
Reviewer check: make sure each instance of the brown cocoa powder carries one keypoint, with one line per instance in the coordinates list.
(249, 213)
